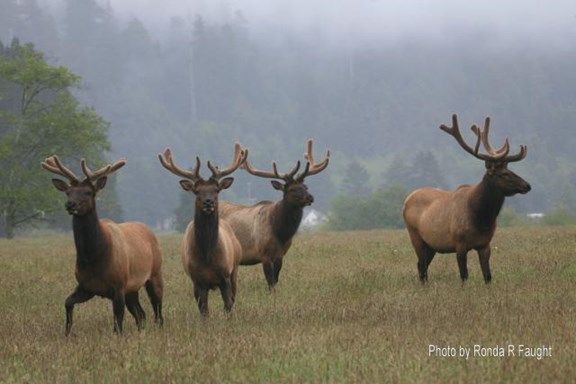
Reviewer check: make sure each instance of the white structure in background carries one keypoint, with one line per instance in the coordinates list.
(312, 218)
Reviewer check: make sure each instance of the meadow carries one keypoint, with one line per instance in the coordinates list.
(349, 308)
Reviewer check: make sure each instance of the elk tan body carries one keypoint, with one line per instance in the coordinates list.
(265, 230)
(112, 260)
(134, 258)
(444, 221)
(210, 251)
(254, 226)
(465, 219)
(212, 273)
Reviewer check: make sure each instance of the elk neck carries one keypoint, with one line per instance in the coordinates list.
(91, 244)
(486, 202)
(206, 234)
(285, 220)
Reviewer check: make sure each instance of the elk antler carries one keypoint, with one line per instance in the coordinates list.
(311, 167)
(274, 174)
(500, 154)
(240, 155)
(104, 171)
(167, 162)
(54, 165)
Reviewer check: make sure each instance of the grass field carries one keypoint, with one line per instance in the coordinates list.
(349, 308)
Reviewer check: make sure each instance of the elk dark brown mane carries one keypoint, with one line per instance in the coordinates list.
(265, 230)
(112, 260)
(210, 251)
(459, 221)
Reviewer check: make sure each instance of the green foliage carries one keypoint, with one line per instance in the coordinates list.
(39, 117)
(560, 216)
(381, 209)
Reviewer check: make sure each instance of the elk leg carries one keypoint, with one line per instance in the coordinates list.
(118, 306)
(135, 308)
(424, 262)
(277, 268)
(202, 298)
(484, 257)
(425, 255)
(268, 267)
(462, 264)
(234, 283)
(227, 296)
(78, 296)
(155, 289)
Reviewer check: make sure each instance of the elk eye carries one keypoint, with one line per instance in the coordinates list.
(88, 194)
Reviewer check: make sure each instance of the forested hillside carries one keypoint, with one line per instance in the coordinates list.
(206, 84)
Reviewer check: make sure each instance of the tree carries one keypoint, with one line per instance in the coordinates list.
(356, 180)
(381, 209)
(39, 117)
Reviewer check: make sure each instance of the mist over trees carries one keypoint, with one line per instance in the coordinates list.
(376, 105)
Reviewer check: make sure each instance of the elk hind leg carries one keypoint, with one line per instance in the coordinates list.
(484, 257)
(425, 255)
(155, 290)
(78, 296)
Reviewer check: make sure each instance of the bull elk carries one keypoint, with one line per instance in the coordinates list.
(465, 219)
(112, 260)
(210, 250)
(265, 230)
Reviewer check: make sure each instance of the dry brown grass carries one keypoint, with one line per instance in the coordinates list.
(349, 308)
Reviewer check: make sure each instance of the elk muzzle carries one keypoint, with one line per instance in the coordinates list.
(71, 208)
(208, 206)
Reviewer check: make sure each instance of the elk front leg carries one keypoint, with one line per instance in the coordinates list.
(227, 295)
(277, 268)
(484, 257)
(118, 307)
(201, 295)
(135, 309)
(462, 257)
(78, 296)
(268, 267)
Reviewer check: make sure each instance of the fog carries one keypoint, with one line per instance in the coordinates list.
(371, 21)
(371, 80)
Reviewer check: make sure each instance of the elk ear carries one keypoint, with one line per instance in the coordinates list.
(60, 185)
(100, 183)
(226, 183)
(187, 185)
(277, 185)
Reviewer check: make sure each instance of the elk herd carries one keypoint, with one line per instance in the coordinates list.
(115, 260)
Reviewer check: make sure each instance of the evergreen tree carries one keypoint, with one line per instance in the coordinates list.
(39, 117)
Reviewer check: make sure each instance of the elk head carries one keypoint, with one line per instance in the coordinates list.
(81, 194)
(206, 191)
(496, 161)
(294, 190)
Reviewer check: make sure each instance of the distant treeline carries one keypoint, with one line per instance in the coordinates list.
(378, 107)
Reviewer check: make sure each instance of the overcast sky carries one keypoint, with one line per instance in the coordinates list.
(376, 19)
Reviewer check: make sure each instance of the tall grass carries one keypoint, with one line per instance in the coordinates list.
(348, 308)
